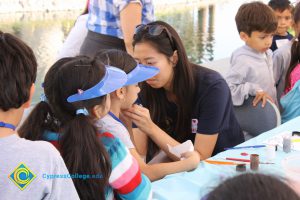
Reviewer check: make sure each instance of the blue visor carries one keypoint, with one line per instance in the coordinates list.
(114, 79)
(141, 73)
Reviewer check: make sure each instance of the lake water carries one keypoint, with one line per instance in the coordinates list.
(208, 32)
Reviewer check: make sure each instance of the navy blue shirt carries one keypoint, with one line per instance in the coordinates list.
(213, 111)
(279, 37)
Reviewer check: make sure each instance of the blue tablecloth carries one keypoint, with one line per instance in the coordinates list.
(199, 182)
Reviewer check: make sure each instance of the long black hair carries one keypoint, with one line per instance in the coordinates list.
(80, 147)
(183, 84)
(295, 50)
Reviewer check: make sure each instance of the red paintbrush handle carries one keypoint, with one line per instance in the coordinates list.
(238, 159)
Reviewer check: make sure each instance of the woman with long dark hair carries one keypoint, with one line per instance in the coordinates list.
(124, 98)
(185, 101)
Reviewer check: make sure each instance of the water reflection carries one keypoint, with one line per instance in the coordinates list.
(45, 33)
(196, 28)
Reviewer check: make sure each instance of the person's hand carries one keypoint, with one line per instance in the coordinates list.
(261, 96)
(141, 117)
(193, 157)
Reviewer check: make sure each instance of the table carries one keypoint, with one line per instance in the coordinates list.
(197, 183)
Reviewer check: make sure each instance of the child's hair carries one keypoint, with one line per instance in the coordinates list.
(18, 68)
(295, 49)
(253, 187)
(255, 16)
(117, 58)
(80, 147)
(166, 43)
(280, 5)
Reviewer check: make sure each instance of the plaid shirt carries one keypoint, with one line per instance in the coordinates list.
(104, 15)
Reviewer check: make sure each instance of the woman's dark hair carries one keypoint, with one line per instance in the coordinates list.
(80, 147)
(253, 187)
(117, 58)
(183, 84)
(295, 50)
(18, 68)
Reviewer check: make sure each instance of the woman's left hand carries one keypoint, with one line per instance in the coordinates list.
(140, 116)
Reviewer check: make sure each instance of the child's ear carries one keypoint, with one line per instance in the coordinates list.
(31, 92)
(97, 111)
(121, 93)
(244, 36)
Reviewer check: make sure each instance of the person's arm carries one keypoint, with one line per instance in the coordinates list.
(147, 128)
(130, 17)
(236, 80)
(205, 144)
(157, 171)
(140, 141)
(126, 178)
(75, 38)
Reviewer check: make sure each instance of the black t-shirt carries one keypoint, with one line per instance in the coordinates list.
(213, 111)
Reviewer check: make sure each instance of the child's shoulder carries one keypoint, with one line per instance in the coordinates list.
(242, 54)
(246, 54)
(43, 148)
(39, 150)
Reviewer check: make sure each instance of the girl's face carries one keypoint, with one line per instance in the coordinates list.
(131, 95)
(146, 54)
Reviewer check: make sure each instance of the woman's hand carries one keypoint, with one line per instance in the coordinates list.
(140, 116)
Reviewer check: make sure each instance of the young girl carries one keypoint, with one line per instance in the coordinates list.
(77, 94)
(122, 99)
(290, 102)
(185, 101)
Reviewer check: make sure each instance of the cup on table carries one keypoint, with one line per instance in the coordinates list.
(291, 166)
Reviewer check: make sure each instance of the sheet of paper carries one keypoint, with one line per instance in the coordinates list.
(181, 148)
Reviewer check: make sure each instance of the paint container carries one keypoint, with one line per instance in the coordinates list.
(270, 152)
(287, 144)
(240, 168)
(254, 162)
